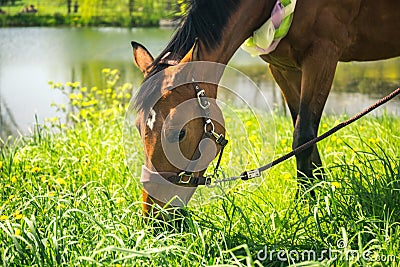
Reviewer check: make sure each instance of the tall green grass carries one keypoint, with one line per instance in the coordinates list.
(68, 198)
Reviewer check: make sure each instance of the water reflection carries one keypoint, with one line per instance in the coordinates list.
(30, 57)
(8, 124)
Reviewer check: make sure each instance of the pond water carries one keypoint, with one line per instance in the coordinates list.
(31, 57)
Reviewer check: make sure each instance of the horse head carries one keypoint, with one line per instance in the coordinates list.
(180, 124)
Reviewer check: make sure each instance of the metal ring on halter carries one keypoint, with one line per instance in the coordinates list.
(209, 122)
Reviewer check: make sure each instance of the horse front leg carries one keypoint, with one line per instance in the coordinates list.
(318, 70)
(289, 81)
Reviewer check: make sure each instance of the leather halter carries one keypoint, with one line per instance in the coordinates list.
(186, 177)
(209, 132)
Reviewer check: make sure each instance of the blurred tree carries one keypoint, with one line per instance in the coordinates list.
(76, 6)
(131, 4)
(69, 2)
(89, 9)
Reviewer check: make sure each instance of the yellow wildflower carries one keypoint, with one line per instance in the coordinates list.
(11, 197)
(18, 215)
(13, 179)
(84, 89)
(3, 217)
(36, 169)
(76, 84)
(60, 206)
(120, 200)
(60, 181)
(287, 176)
(17, 232)
(253, 139)
(106, 70)
(84, 113)
(371, 140)
(336, 184)
(51, 194)
(1, 164)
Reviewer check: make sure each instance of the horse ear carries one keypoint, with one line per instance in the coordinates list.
(192, 55)
(141, 56)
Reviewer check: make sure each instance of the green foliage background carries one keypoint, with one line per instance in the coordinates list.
(91, 12)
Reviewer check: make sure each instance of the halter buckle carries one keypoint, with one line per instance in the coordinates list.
(200, 95)
(209, 122)
(182, 174)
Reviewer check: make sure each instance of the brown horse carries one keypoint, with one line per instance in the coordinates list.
(303, 64)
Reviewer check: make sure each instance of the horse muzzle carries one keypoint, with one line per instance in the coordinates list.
(159, 188)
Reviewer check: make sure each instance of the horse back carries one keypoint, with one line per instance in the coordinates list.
(362, 30)
(376, 30)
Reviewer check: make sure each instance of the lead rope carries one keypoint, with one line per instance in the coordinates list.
(247, 175)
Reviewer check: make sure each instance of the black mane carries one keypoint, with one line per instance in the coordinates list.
(205, 20)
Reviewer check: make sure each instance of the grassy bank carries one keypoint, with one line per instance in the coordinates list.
(57, 19)
(68, 198)
(119, 13)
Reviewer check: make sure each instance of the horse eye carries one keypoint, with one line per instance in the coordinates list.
(176, 136)
(181, 135)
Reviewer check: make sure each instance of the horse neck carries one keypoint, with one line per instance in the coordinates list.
(249, 16)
